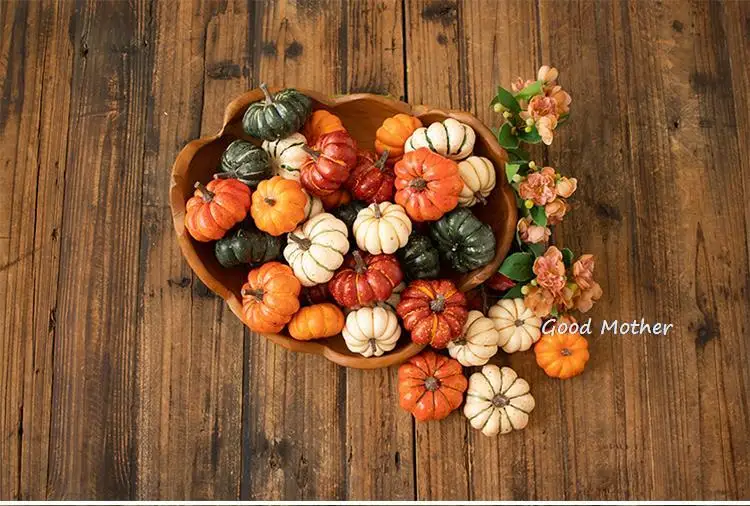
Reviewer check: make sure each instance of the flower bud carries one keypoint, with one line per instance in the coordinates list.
(498, 108)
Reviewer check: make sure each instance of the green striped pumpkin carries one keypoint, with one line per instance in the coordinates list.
(419, 258)
(277, 116)
(244, 161)
(247, 245)
(450, 138)
(462, 240)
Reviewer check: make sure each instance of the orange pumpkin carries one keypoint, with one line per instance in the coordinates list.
(562, 355)
(393, 134)
(430, 386)
(336, 199)
(315, 322)
(270, 297)
(278, 205)
(427, 184)
(321, 122)
(215, 208)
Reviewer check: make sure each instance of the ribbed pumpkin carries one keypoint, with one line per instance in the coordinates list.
(215, 208)
(562, 354)
(247, 245)
(329, 164)
(287, 155)
(365, 279)
(393, 134)
(419, 258)
(427, 184)
(316, 249)
(450, 138)
(270, 297)
(320, 123)
(371, 179)
(433, 311)
(277, 116)
(278, 205)
(464, 241)
(246, 162)
(316, 322)
(430, 386)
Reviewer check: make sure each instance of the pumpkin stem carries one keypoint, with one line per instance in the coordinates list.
(432, 383)
(377, 212)
(258, 294)
(480, 198)
(359, 264)
(313, 153)
(207, 194)
(303, 242)
(500, 401)
(437, 305)
(565, 352)
(418, 183)
(380, 164)
(264, 89)
(269, 201)
(374, 345)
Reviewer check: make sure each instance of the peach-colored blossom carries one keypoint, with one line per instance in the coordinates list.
(539, 187)
(546, 128)
(541, 106)
(539, 300)
(519, 83)
(531, 233)
(566, 298)
(561, 98)
(585, 299)
(566, 186)
(583, 271)
(550, 270)
(555, 211)
(547, 74)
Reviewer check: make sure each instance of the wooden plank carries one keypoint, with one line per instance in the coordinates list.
(189, 373)
(21, 81)
(92, 451)
(379, 435)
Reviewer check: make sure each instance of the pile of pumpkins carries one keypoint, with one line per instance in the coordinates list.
(346, 240)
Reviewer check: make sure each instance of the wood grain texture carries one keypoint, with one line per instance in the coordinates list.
(124, 378)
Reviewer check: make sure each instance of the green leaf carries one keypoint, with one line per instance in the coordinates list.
(511, 169)
(514, 293)
(536, 249)
(532, 137)
(518, 155)
(507, 100)
(553, 311)
(506, 139)
(518, 266)
(539, 216)
(530, 91)
(567, 257)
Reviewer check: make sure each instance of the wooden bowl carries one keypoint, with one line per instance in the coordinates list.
(362, 114)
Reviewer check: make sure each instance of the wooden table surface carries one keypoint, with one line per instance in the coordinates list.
(123, 377)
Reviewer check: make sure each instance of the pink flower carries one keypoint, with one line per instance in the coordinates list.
(550, 270)
(539, 187)
(541, 106)
(539, 300)
(555, 211)
(583, 271)
(561, 98)
(519, 83)
(566, 297)
(547, 74)
(531, 233)
(566, 186)
(585, 298)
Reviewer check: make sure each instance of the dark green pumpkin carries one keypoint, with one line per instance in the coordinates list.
(277, 116)
(463, 241)
(245, 161)
(247, 245)
(348, 213)
(419, 258)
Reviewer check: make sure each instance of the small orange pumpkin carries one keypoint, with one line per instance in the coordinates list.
(316, 322)
(393, 134)
(321, 122)
(562, 355)
(215, 208)
(336, 199)
(427, 184)
(278, 205)
(430, 386)
(270, 297)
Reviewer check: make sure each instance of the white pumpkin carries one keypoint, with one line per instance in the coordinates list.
(316, 249)
(382, 228)
(478, 342)
(371, 331)
(450, 138)
(498, 401)
(478, 175)
(516, 325)
(287, 155)
(313, 207)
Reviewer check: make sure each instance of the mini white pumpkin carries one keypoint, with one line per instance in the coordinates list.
(450, 138)
(478, 175)
(498, 401)
(382, 228)
(316, 249)
(313, 207)
(371, 331)
(287, 155)
(516, 325)
(478, 342)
